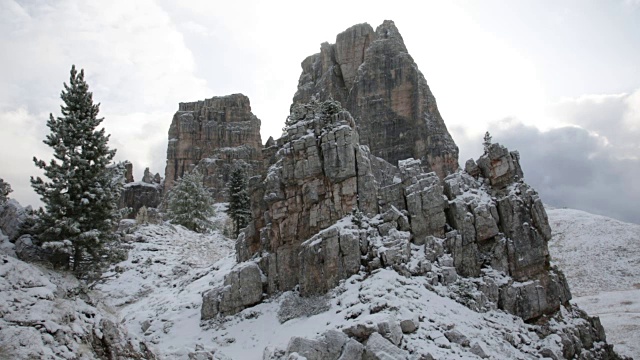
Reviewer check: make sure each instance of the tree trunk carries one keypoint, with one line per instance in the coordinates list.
(77, 256)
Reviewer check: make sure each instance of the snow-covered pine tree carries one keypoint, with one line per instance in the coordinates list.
(5, 189)
(239, 203)
(486, 142)
(189, 203)
(81, 195)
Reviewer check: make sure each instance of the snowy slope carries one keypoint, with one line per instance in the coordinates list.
(46, 314)
(157, 293)
(158, 290)
(601, 258)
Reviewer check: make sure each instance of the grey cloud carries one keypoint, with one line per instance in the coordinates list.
(138, 68)
(572, 167)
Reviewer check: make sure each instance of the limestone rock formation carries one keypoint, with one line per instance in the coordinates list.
(128, 172)
(324, 211)
(138, 194)
(214, 135)
(366, 177)
(242, 288)
(373, 76)
(316, 180)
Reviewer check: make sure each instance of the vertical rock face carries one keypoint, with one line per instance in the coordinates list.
(326, 208)
(214, 135)
(313, 183)
(374, 77)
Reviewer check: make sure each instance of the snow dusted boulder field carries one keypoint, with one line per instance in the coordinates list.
(600, 257)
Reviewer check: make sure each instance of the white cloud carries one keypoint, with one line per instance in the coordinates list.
(135, 61)
(141, 58)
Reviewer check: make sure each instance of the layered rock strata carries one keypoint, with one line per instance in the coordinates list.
(214, 135)
(372, 74)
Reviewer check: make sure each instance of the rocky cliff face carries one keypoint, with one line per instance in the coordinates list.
(214, 135)
(373, 76)
(327, 209)
(366, 178)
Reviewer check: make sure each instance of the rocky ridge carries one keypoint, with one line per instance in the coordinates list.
(321, 215)
(373, 76)
(328, 208)
(213, 136)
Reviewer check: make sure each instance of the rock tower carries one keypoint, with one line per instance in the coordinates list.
(374, 78)
(213, 136)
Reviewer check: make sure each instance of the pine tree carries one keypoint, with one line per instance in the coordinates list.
(189, 203)
(486, 142)
(5, 189)
(239, 204)
(81, 197)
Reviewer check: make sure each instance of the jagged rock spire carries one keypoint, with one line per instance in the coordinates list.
(372, 74)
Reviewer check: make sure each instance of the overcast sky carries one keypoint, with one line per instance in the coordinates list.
(557, 80)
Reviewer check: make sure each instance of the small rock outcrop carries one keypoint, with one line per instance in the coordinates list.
(373, 76)
(214, 135)
(49, 315)
(242, 288)
(138, 194)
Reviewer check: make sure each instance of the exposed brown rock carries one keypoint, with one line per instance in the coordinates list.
(136, 195)
(214, 135)
(377, 81)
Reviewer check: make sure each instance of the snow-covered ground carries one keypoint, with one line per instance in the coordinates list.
(157, 294)
(158, 290)
(601, 258)
(47, 314)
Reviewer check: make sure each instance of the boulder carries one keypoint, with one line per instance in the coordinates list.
(332, 345)
(457, 337)
(242, 288)
(410, 325)
(379, 348)
(12, 216)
